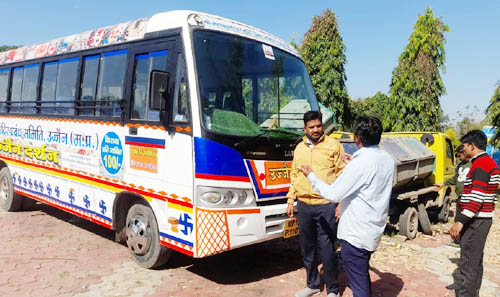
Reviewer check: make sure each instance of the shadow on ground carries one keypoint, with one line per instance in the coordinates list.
(239, 266)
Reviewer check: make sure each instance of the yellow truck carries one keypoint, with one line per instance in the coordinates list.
(422, 160)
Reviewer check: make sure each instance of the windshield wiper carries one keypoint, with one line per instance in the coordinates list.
(265, 131)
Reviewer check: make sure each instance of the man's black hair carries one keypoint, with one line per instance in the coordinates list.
(312, 115)
(460, 149)
(369, 130)
(477, 137)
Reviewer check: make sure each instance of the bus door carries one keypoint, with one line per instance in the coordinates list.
(160, 145)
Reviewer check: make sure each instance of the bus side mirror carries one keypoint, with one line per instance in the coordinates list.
(159, 89)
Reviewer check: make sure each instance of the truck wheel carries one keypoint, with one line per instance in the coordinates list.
(423, 219)
(408, 223)
(143, 237)
(444, 214)
(9, 200)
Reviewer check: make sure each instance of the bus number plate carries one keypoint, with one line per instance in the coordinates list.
(291, 228)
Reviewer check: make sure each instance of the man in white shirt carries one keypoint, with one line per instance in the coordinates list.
(364, 187)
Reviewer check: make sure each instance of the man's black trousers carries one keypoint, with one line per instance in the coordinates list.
(318, 232)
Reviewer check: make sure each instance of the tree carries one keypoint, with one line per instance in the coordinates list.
(452, 134)
(493, 114)
(7, 47)
(323, 51)
(370, 106)
(416, 83)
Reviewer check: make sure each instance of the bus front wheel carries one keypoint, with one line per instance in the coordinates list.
(143, 237)
(9, 200)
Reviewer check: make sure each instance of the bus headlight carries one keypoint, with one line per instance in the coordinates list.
(223, 197)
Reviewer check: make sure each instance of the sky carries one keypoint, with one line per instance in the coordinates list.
(375, 33)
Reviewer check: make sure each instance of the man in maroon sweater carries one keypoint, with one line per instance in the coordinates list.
(477, 206)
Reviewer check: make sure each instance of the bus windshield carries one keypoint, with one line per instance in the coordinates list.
(247, 87)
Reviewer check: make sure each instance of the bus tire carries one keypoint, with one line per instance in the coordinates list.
(423, 219)
(9, 200)
(408, 223)
(143, 238)
(444, 213)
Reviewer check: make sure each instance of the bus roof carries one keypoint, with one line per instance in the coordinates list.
(137, 29)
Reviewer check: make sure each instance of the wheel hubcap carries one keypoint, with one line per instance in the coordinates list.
(413, 223)
(138, 235)
(4, 189)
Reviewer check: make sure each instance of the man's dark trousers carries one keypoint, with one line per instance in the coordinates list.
(472, 242)
(356, 264)
(318, 229)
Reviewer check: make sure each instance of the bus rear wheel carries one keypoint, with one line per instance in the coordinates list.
(143, 238)
(9, 200)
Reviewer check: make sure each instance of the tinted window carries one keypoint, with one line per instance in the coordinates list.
(66, 86)
(111, 82)
(30, 83)
(89, 85)
(49, 80)
(4, 88)
(144, 64)
(181, 94)
(16, 89)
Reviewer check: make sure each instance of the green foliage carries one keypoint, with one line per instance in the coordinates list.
(7, 47)
(416, 82)
(324, 54)
(452, 134)
(370, 106)
(493, 114)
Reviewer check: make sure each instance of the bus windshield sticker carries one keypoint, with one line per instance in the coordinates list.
(268, 51)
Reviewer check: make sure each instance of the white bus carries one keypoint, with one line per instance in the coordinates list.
(176, 131)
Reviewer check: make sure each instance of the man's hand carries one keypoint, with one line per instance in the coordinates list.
(306, 169)
(346, 158)
(456, 229)
(337, 213)
(289, 210)
(438, 187)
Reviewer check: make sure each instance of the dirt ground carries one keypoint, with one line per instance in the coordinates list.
(46, 252)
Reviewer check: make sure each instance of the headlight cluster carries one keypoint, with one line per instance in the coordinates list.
(224, 197)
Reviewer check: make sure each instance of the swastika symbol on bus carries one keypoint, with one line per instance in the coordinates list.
(30, 183)
(87, 201)
(103, 207)
(71, 195)
(184, 221)
(49, 189)
(41, 186)
(36, 185)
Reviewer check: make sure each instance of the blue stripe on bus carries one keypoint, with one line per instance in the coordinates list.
(92, 57)
(144, 140)
(69, 60)
(120, 52)
(159, 53)
(51, 63)
(140, 57)
(4, 70)
(176, 239)
(217, 159)
(18, 68)
(31, 66)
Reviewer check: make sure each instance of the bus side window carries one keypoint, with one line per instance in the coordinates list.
(111, 82)
(181, 93)
(30, 83)
(49, 79)
(144, 64)
(4, 88)
(66, 86)
(16, 89)
(88, 87)
(58, 90)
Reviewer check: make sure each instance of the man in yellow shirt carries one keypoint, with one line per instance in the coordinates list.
(316, 215)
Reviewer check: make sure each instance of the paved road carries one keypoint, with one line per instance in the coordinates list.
(46, 252)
